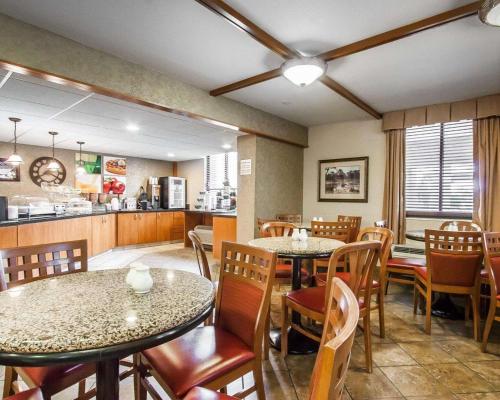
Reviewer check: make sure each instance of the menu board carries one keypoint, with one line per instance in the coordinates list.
(115, 171)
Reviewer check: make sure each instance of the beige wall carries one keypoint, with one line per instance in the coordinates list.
(138, 170)
(194, 172)
(37, 48)
(343, 140)
(245, 225)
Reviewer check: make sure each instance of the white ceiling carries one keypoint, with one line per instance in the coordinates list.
(183, 38)
(101, 122)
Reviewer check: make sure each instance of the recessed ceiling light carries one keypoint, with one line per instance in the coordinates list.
(226, 146)
(170, 155)
(132, 127)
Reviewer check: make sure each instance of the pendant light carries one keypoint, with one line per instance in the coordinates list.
(53, 165)
(80, 170)
(489, 13)
(14, 158)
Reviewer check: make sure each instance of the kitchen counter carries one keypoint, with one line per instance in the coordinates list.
(54, 217)
(229, 214)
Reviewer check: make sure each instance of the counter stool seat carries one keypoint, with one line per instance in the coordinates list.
(199, 393)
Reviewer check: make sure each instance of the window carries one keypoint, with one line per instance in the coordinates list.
(218, 167)
(439, 170)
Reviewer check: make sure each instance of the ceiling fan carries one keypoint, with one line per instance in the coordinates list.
(304, 70)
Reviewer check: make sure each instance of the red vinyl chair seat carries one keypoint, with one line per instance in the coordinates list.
(312, 298)
(199, 393)
(284, 271)
(421, 271)
(320, 278)
(197, 358)
(53, 379)
(408, 263)
(32, 394)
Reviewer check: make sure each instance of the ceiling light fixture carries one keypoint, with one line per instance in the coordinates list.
(303, 71)
(132, 127)
(14, 158)
(80, 170)
(489, 13)
(170, 155)
(53, 165)
(226, 146)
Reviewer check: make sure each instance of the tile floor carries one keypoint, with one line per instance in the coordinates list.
(408, 364)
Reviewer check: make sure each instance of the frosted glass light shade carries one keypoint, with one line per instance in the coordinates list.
(489, 12)
(53, 165)
(15, 159)
(303, 71)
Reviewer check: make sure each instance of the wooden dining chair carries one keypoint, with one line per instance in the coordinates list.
(332, 362)
(31, 394)
(454, 262)
(329, 230)
(312, 302)
(292, 218)
(355, 224)
(461, 226)
(214, 356)
(201, 255)
(491, 246)
(262, 221)
(22, 265)
(385, 237)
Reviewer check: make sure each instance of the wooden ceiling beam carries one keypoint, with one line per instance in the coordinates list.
(266, 76)
(346, 94)
(241, 22)
(403, 31)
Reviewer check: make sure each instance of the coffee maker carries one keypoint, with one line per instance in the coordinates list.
(154, 192)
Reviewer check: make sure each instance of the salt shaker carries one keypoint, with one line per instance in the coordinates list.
(295, 234)
(303, 235)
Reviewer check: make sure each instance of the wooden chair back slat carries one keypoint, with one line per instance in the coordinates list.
(26, 264)
(332, 230)
(453, 258)
(491, 244)
(262, 221)
(277, 229)
(341, 319)
(355, 222)
(462, 226)
(292, 218)
(386, 238)
(201, 255)
(244, 292)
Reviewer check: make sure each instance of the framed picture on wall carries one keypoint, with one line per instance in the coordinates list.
(343, 180)
(9, 172)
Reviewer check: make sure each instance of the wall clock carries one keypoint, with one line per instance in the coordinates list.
(39, 172)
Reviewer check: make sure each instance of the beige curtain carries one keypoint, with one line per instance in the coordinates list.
(487, 173)
(394, 192)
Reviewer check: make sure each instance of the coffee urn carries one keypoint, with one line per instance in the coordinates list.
(154, 192)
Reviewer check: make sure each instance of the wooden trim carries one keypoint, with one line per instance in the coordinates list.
(266, 76)
(63, 80)
(241, 22)
(346, 94)
(403, 31)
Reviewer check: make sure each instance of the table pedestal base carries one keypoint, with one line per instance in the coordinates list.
(297, 342)
(107, 380)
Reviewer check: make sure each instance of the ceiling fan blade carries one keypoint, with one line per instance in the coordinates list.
(402, 32)
(266, 76)
(241, 22)
(341, 90)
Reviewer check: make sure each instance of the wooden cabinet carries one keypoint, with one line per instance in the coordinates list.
(224, 229)
(164, 226)
(136, 228)
(147, 227)
(178, 225)
(63, 230)
(103, 233)
(8, 237)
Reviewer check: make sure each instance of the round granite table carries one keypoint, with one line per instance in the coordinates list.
(95, 317)
(285, 247)
(418, 235)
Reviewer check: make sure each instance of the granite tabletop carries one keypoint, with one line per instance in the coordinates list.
(90, 310)
(285, 245)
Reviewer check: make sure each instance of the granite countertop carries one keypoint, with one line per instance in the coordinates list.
(55, 217)
(285, 245)
(90, 310)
